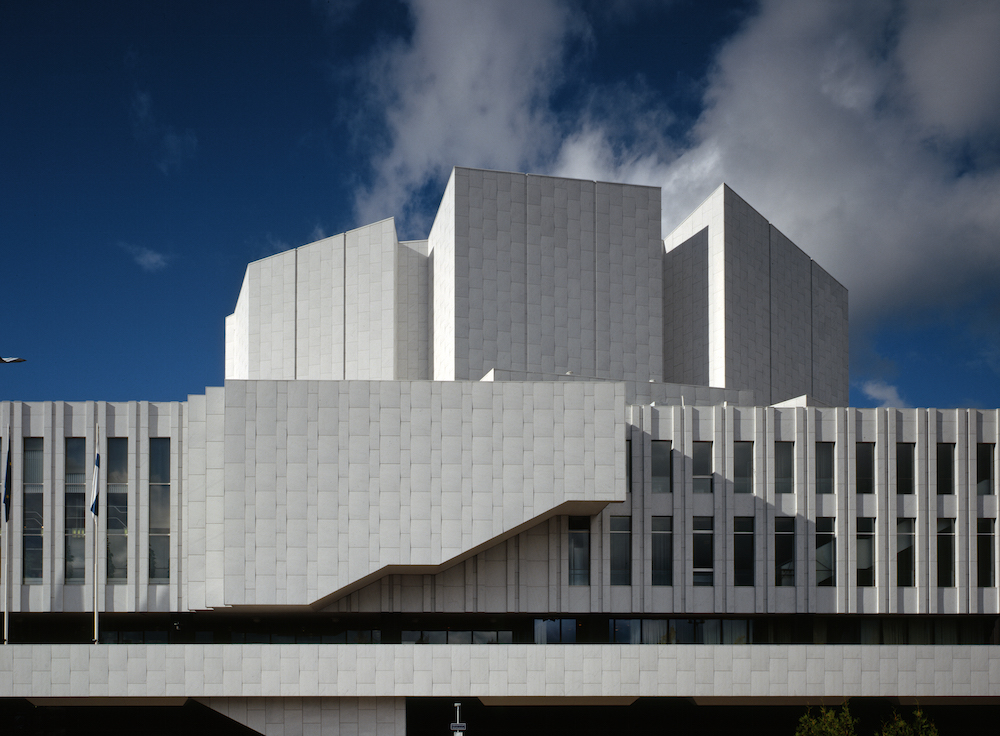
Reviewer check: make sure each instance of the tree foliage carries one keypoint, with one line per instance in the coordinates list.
(829, 722)
(839, 722)
(920, 726)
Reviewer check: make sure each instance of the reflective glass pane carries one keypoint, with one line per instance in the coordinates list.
(159, 557)
(743, 467)
(117, 461)
(661, 466)
(824, 467)
(159, 459)
(117, 556)
(783, 467)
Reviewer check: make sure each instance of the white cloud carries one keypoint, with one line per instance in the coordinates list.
(950, 62)
(146, 258)
(471, 87)
(886, 394)
(829, 120)
(861, 128)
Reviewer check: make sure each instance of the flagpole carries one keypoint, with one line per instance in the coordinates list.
(6, 540)
(93, 512)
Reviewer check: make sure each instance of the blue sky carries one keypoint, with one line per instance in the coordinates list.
(148, 151)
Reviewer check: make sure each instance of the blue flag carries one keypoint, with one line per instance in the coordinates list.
(97, 476)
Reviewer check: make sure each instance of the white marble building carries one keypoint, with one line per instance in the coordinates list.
(542, 457)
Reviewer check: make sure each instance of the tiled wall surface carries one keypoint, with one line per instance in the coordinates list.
(745, 308)
(685, 312)
(287, 492)
(830, 346)
(347, 671)
(316, 716)
(550, 275)
(328, 482)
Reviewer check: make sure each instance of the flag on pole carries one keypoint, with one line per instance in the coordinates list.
(6, 484)
(97, 475)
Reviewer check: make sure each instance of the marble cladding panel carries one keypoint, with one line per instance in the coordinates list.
(685, 311)
(790, 326)
(287, 686)
(746, 266)
(830, 344)
(441, 246)
(532, 567)
(406, 473)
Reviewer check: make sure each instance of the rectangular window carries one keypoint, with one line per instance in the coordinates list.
(621, 550)
(945, 468)
(946, 553)
(904, 553)
(662, 466)
(625, 630)
(784, 550)
(159, 509)
(824, 467)
(117, 524)
(984, 552)
(743, 550)
(866, 552)
(904, 467)
(865, 464)
(984, 469)
(701, 467)
(703, 543)
(743, 467)
(555, 630)
(579, 550)
(75, 508)
(33, 510)
(783, 465)
(663, 550)
(826, 551)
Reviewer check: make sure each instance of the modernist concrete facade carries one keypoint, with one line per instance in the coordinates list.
(542, 457)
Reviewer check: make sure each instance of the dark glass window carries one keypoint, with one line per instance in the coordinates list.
(33, 510)
(784, 481)
(824, 467)
(159, 509)
(945, 468)
(663, 550)
(621, 550)
(904, 553)
(579, 550)
(866, 552)
(743, 550)
(946, 553)
(984, 552)
(624, 630)
(117, 524)
(904, 467)
(703, 542)
(865, 464)
(743, 467)
(701, 467)
(75, 510)
(984, 469)
(826, 551)
(784, 550)
(662, 466)
(555, 630)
